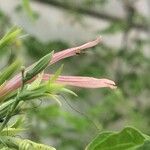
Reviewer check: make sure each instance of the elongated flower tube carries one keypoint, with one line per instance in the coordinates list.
(73, 51)
(84, 82)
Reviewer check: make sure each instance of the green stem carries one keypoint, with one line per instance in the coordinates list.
(13, 107)
(9, 113)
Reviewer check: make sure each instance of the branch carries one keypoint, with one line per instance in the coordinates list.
(92, 13)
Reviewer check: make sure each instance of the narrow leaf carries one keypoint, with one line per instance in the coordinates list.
(55, 97)
(10, 36)
(9, 71)
(11, 131)
(23, 144)
(56, 75)
(35, 84)
(18, 123)
(54, 88)
(69, 91)
(27, 8)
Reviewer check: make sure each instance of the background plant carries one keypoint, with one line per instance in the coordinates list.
(129, 104)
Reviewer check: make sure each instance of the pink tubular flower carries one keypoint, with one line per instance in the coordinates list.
(85, 82)
(73, 51)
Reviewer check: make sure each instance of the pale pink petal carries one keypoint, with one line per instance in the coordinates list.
(73, 51)
(11, 86)
(84, 82)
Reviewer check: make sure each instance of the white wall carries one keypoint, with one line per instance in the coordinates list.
(54, 23)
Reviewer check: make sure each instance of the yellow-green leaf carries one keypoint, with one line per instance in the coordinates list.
(9, 71)
(11, 131)
(10, 37)
(128, 138)
(56, 75)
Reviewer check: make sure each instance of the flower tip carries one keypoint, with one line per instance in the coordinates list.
(113, 87)
(109, 83)
(52, 52)
(99, 39)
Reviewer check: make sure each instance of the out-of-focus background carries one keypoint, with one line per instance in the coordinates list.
(124, 56)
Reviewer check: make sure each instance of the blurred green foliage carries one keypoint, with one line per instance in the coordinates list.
(36, 48)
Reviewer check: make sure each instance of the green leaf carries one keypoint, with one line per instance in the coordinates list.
(54, 88)
(6, 104)
(18, 123)
(11, 131)
(32, 94)
(23, 144)
(27, 8)
(39, 66)
(145, 146)
(100, 138)
(7, 72)
(68, 91)
(56, 98)
(128, 138)
(56, 75)
(114, 27)
(4, 107)
(36, 83)
(10, 37)
(6, 148)
(28, 145)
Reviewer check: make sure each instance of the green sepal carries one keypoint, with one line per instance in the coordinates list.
(56, 75)
(38, 67)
